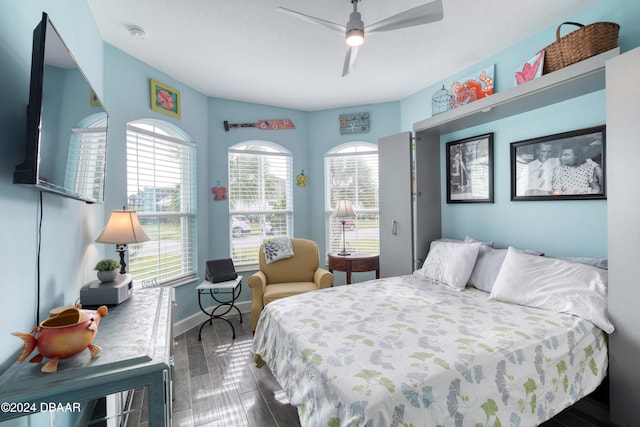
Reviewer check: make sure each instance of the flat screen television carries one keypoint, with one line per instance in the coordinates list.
(67, 124)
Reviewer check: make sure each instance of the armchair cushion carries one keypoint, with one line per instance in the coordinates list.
(280, 290)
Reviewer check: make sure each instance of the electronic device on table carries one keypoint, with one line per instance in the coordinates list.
(107, 293)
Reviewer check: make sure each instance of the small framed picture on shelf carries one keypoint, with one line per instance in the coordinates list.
(563, 166)
(531, 69)
(470, 170)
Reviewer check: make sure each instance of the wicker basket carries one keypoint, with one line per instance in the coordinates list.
(583, 43)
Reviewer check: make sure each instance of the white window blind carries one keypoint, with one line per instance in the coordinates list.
(161, 188)
(260, 202)
(86, 159)
(351, 172)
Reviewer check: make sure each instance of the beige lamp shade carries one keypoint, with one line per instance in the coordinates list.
(123, 227)
(343, 209)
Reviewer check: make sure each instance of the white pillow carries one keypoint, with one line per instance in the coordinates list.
(553, 284)
(277, 248)
(469, 239)
(595, 262)
(488, 266)
(450, 263)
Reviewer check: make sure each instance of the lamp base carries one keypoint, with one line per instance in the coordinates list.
(121, 249)
(344, 253)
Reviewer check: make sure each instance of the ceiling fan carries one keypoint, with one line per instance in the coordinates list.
(355, 28)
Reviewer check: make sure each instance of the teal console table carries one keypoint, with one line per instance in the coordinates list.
(136, 340)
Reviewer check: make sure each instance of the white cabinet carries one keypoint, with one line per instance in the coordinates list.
(409, 176)
(623, 211)
(396, 233)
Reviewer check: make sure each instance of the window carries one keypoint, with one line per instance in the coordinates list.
(351, 172)
(161, 188)
(260, 203)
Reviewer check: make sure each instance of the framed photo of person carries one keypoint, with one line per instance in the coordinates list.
(470, 170)
(563, 166)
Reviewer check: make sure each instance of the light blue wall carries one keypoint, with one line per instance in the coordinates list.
(314, 135)
(324, 136)
(127, 99)
(68, 227)
(555, 227)
(220, 140)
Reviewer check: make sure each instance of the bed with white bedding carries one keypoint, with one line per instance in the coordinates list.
(412, 351)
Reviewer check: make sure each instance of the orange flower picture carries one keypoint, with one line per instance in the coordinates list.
(164, 99)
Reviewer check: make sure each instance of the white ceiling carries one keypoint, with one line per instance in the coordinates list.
(246, 50)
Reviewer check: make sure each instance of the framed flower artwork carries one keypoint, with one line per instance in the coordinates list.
(165, 99)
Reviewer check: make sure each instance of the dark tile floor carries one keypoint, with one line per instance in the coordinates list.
(217, 384)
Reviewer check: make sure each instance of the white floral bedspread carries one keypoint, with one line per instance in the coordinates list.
(407, 351)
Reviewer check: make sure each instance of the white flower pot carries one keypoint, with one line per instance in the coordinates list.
(107, 276)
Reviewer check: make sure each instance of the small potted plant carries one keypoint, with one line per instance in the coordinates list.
(107, 269)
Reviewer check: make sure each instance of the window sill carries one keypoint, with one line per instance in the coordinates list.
(248, 267)
(180, 282)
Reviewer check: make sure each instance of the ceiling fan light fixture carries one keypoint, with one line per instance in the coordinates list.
(355, 27)
(355, 37)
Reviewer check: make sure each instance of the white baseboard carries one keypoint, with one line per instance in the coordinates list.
(196, 320)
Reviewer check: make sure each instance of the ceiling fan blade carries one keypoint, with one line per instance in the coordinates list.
(313, 20)
(350, 61)
(420, 15)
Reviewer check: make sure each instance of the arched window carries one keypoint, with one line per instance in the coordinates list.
(351, 172)
(161, 187)
(260, 197)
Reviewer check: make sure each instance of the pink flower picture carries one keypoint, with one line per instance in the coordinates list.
(164, 99)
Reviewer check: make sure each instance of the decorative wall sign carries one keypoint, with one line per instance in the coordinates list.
(470, 170)
(301, 179)
(262, 125)
(164, 99)
(531, 69)
(354, 123)
(93, 99)
(474, 87)
(219, 192)
(564, 166)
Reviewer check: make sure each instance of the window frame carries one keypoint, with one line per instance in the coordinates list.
(333, 232)
(245, 257)
(163, 135)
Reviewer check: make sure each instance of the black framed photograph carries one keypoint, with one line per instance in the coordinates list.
(563, 166)
(470, 170)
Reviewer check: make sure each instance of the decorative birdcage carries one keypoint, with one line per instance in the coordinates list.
(441, 101)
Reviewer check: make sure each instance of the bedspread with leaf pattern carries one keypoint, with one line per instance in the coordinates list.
(407, 352)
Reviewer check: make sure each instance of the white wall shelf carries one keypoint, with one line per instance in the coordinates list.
(575, 80)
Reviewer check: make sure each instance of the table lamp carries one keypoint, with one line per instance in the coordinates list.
(343, 210)
(123, 227)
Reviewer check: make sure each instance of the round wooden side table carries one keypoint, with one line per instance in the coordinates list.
(354, 263)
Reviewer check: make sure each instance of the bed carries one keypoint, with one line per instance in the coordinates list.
(416, 351)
